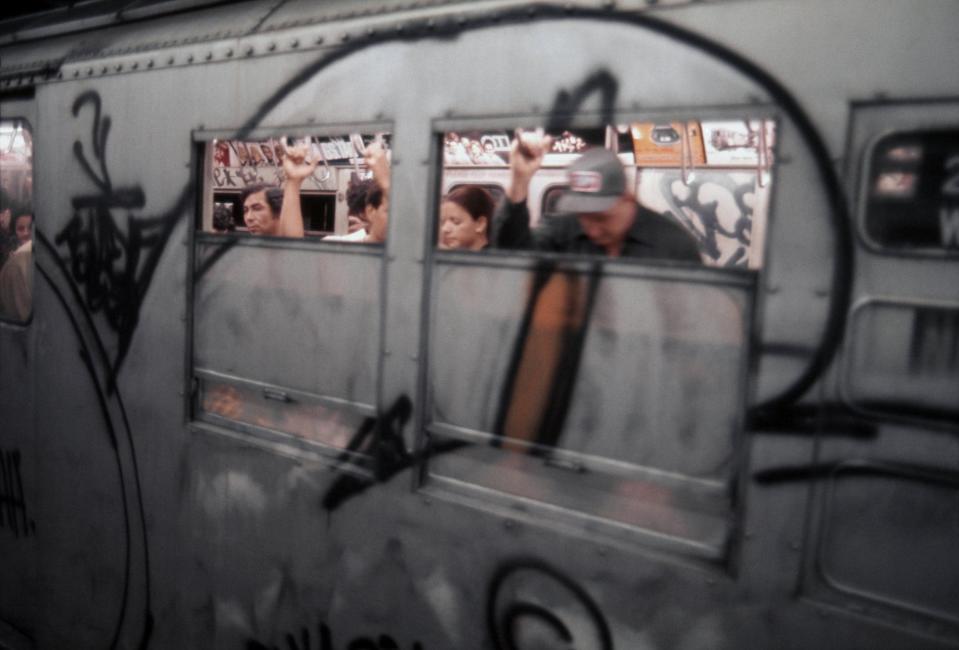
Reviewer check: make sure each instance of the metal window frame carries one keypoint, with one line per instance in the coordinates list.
(7, 322)
(275, 440)
(846, 381)
(862, 193)
(552, 515)
(825, 589)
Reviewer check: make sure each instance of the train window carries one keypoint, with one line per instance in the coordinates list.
(893, 340)
(319, 187)
(578, 385)
(16, 221)
(912, 192)
(285, 332)
(551, 198)
(496, 192)
(694, 192)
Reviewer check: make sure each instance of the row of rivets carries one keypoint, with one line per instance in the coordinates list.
(429, 25)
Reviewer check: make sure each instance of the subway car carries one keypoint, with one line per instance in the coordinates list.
(217, 437)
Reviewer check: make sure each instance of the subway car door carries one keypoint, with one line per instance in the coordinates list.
(886, 480)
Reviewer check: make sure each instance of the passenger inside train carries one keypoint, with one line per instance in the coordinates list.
(16, 269)
(694, 192)
(370, 221)
(16, 221)
(465, 216)
(356, 192)
(601, 212)
(262, 212)
(333, 188)
(8, 241)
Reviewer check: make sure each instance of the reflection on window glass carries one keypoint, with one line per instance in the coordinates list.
(904, 359)
(912, 201)
(617, 396)
(584, 389)
(695, 192)
(273, 409)
(335, 188)
(16, 221)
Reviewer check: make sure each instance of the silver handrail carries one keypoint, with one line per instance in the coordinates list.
(762, 154)
(686, 155)
(327, 172)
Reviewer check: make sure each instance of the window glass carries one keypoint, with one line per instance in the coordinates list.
(594, 386)
(286, 336)
(905, 359)
(320, 187)
(16, 221)
(695, 192)
(551, 197)
(912, 192)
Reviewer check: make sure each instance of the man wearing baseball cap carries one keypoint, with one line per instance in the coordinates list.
(599, 213)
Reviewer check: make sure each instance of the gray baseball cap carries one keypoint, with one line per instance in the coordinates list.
(596, 182)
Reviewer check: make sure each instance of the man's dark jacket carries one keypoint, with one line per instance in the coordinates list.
(652, 235)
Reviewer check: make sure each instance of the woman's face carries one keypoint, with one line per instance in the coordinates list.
(23, 228)
(459, 230)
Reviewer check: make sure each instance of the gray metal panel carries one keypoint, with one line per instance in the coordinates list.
(303, 318)
(807, 44)
(300, 12)
(875, 514)
(649, 341)
(206, 24)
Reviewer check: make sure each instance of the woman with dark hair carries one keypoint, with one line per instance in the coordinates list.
(8, 240)
(465, 215)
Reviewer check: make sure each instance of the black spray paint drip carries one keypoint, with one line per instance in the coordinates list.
(13, 502)
(379, 449)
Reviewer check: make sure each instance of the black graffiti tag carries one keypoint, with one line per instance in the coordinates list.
(13, 505)
(505, 617)
(378, 446)
(324, 641)
(112, 265)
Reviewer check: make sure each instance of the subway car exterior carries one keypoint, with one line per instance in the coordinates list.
(216, 440)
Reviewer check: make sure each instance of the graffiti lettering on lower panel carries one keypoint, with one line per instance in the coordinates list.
(13, 505)
(526, 593)
(324, 641)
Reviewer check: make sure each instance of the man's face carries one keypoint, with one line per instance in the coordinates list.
(608, 228)
(378, 219)
(258, 216)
